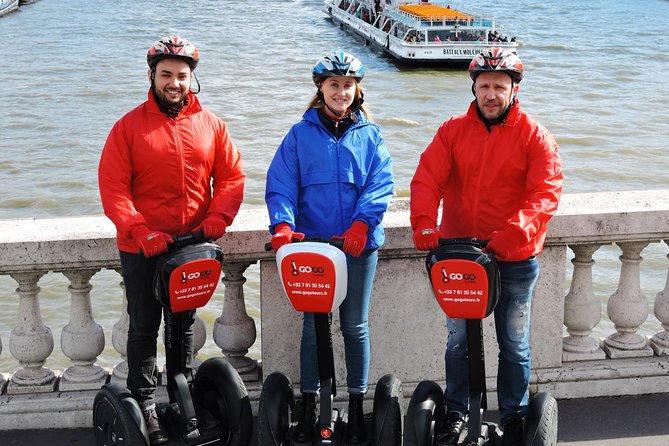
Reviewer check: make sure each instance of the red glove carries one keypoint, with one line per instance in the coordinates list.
(283, 234)
(213, 226)
(151, 243)
(425, 239)
(355, 238)
(504, 244)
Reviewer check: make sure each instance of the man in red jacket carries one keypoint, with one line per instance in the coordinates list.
(168, 168)
(499, 176)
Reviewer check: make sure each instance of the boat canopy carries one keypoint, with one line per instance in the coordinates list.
(435, 12)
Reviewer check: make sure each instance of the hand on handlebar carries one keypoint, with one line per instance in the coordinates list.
(151, 243)
(284, 234)
(426, 239)
(213, 226)
(355, 238)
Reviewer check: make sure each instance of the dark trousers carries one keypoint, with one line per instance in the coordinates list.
(144, 312)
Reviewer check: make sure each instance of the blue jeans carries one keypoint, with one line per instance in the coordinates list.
(144, 313)
(353, 314)
(512, 325)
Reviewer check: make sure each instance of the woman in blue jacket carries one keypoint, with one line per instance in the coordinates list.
(332, 177)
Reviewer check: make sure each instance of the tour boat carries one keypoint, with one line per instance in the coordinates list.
(7, 6)
(419, 32)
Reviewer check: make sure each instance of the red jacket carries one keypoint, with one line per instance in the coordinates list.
(158, 171)
(503, 185)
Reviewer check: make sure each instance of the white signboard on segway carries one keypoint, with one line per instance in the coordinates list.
(313, 276)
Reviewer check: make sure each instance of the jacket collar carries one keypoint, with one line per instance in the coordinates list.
(190, 109)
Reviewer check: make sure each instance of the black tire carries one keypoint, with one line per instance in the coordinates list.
(275, 411)
(220, 390)
(541, 423)
(387, 412)
(117, 418)
(425, 415)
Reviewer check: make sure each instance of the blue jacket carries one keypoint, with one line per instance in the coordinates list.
(320, 185)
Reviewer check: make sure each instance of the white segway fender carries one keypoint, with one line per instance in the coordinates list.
(314, 276)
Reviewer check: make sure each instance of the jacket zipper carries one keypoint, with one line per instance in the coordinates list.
(482, 162)
(180, 154)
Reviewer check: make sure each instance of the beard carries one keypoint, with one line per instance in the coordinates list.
(167, 101)
(171, 107)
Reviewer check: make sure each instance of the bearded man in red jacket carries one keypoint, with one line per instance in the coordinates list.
(168, 168)
(499, 176)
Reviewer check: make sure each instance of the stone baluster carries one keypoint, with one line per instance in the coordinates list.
(120, 339)
(234, 329)
(660, 342)
(582, 311)
(30, 342)
(82, 339)
(628, 307)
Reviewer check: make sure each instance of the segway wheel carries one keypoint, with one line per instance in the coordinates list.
(387, 412)
(275, 410)
(218, 388)
(425, 415)
(541, 423)
(117, 418)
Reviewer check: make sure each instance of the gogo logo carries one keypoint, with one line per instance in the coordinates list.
(448, 277)
(195, 275)
(296, 270)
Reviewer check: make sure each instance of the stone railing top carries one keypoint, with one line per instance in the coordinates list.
(89, 242)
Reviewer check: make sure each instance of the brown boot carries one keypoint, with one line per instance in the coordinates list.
(156, 433)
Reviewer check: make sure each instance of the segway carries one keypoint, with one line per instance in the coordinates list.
(215, 408)
(314, 277)
(465, 280)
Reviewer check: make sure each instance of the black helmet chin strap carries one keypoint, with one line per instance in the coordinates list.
(338, 115)
(196, 81)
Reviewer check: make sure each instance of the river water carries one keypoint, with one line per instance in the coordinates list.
(596, 77)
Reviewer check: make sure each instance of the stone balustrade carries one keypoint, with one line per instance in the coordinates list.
(576, 353)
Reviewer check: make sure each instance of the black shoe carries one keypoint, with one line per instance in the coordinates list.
(513, 432)
(156, 433)
(356, 419)
(450, 433)
(306, 425)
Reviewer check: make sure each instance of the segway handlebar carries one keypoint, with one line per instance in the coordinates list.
(463, 240)
(336, 242)
(179, 241)
(188, 239)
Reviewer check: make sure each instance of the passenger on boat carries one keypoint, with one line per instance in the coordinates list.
(314, 190)
(498, 175)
